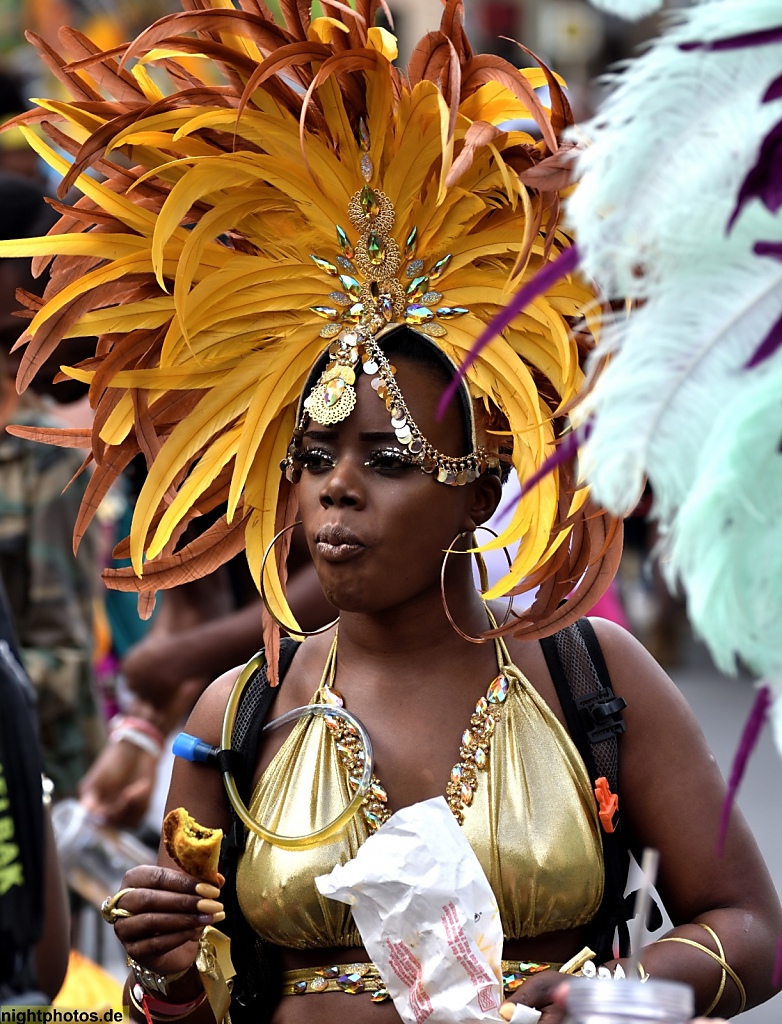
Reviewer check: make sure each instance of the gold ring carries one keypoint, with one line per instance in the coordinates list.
(110, 912)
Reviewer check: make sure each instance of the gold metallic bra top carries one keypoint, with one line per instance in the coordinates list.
(531, 820)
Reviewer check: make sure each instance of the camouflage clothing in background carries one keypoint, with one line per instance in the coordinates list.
(50, 593)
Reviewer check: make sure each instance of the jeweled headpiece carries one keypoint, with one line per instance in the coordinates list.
(383, 297)
(314, 182)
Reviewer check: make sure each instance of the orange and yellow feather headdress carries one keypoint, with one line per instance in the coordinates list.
(205, 258)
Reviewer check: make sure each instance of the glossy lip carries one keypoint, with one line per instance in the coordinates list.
(337, 543)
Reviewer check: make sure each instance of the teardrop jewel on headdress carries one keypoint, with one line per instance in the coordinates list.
(333, 398)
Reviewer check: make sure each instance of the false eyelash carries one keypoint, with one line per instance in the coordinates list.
(399, 455)
(307, 456)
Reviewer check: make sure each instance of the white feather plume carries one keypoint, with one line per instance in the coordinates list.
(725, 545)
(675, 366)
(668, 152)
(630, 10)
(660, 176)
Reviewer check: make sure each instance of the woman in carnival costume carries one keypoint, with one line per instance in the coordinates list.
(282, 271)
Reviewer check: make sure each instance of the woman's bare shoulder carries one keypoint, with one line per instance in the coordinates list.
(206, 718)
(633, 671)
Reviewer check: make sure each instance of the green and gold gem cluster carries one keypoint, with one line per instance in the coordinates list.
(383, 297)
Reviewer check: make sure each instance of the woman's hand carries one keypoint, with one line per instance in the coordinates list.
(118, 787)
(545, 992)
(168, 913)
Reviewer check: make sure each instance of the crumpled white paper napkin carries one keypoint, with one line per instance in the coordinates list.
(427, 917)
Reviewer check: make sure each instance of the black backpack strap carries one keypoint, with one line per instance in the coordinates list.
(592, 711)
(594, 719)
(256, 700)
(257, 985)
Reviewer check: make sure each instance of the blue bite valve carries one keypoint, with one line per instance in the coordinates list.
(190, 748)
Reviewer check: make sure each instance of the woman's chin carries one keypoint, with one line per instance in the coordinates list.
(347, 597)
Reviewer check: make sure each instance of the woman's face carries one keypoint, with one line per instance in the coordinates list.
(376, 526)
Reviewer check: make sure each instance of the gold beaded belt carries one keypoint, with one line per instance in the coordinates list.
(357, 978)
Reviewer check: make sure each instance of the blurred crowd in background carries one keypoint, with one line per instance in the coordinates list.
(110, 687)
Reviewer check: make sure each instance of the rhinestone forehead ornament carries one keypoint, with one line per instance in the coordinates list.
(362, 308)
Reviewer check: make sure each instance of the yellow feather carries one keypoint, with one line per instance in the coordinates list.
(135, 264)
(212, 462)
(131, 316)
(82, 123)
(119, 422)
(148, 87)
(384, 42)
(266, 479)
(216, 410)
(272, 393)
(322, 29)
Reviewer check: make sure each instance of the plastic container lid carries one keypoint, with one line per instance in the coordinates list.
(670, 1002)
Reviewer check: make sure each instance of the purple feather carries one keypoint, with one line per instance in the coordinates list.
(749, 738)
(545, 278)
(566, 450)
(770, 344)
(761, 38)
(774, 91)
(764, 180)
(773, 339)
(773, 249)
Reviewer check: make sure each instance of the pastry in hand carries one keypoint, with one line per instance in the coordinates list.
(194, 848)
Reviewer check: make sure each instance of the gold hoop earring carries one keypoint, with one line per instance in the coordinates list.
(484, 584)
(264, 598)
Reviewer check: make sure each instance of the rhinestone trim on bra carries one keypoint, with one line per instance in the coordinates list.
(474, 754)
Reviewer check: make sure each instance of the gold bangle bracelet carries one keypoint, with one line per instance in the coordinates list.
(724, 978)
(727, 970)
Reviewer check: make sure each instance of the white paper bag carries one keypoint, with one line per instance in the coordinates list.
(427, 916)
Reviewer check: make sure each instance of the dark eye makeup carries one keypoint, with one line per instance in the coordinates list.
(388, 460)
(316, 460)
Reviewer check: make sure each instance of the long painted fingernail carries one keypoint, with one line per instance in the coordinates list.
(208, 907)
(211, 892)
(218, 917)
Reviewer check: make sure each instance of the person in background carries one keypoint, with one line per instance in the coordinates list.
(16, 157)
(50, 591)
(33, 906)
